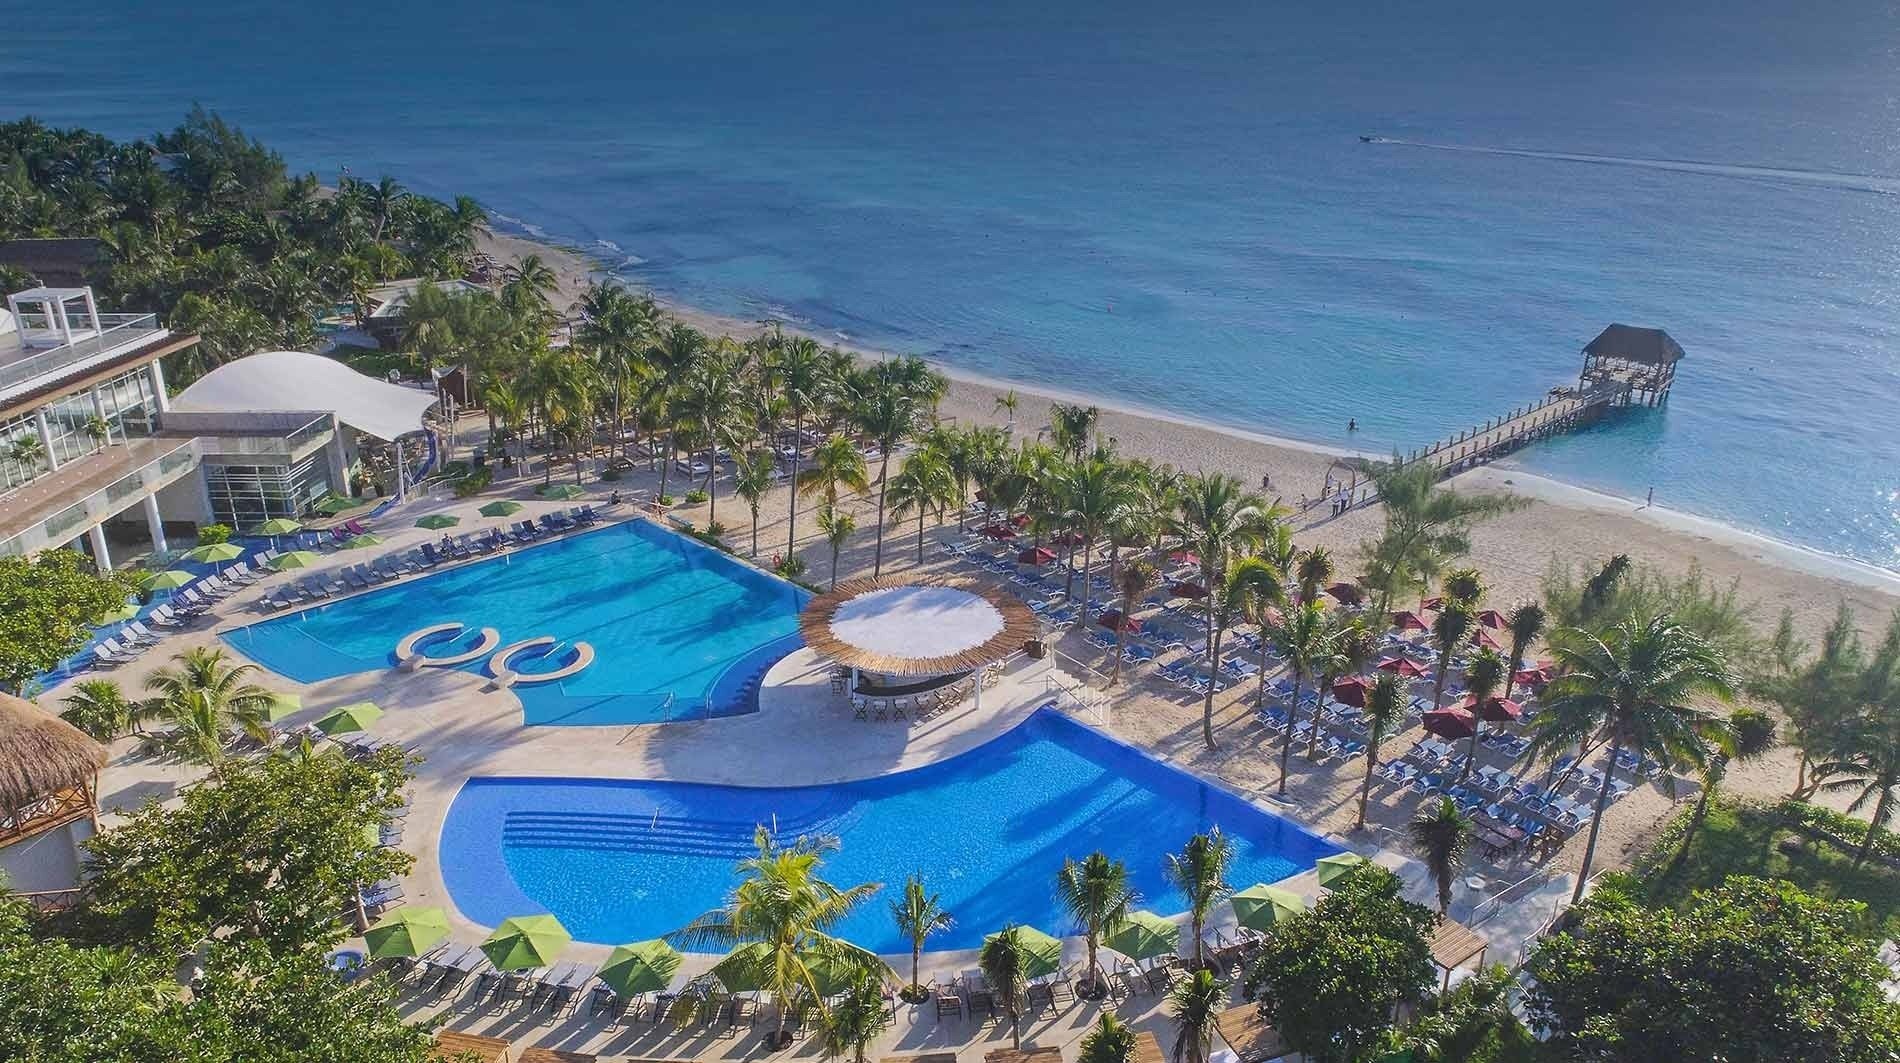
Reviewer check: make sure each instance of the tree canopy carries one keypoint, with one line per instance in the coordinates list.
(1756, 970)
(48, 603)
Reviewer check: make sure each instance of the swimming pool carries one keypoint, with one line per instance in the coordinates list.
(621, 861)
(680, 631)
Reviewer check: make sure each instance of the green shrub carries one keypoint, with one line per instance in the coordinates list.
(474, 483)
(790, 567)
(1845, 832)
(665, 500)
(455, 470)
(213, 534)
(695, 497)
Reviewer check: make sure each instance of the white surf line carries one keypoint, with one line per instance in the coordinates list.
(1849, 182)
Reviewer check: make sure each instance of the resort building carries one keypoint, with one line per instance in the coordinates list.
(94, 451)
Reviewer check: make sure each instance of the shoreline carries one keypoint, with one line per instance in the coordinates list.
(1668, 538)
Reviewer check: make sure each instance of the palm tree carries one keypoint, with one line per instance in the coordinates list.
(805, 385)
(1108, 1042)
(1312, 572)
(710, 408)
(1632, 684)
(381, 199)
(889, 413)
(1246, 583)
(1450, 628)
(1005, 964)
(1199, 871)
(1465, 586)
(777, 922)
(837, 526)
(529, 284)
(1096, 491)
(1134, 581)
(99, 708)
(1866, 762)
(857, 1019)
(1096, 893)
(1071, 426)
(1747, 736)
(1350, 647)
(1482, 679)
(917, 915)
(672, 353)
(1301, 639)
(206, 700)
(1008, 402)
(835, 463)
(1426, 525)
(1219, 519)
(1385, 710)
(1194, 1003)
(1441, 834)
(922, 485)
(1526, 625)
(753, 475)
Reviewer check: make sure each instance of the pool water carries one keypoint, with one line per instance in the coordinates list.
(679, 630)
(621, 861)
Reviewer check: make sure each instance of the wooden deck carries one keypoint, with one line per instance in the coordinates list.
(1555, 414)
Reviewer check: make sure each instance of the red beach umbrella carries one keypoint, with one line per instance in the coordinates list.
(1352, 691)
(1407, 620)
(1451, 723)
(1000, 531)
(1188, 589)
(1346, 593)
(1529, 677)
(1492, 619)
(1483, 640)
(1021, 520)
(1402, 666)
(1185, 557)
(1113, 620)
(1433, 604)
(1036, 555)
(1496, 710)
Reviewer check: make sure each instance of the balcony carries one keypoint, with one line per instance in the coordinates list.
(62, 504)
(33, 367)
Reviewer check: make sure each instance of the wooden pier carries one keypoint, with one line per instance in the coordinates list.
(1624, 366)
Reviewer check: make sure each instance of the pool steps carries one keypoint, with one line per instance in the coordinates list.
(634, 833)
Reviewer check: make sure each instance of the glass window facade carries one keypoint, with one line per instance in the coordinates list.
(125, 403)
(245, 495)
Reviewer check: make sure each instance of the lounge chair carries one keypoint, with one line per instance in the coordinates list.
(110, 654)
(430, 558)
(355, 527)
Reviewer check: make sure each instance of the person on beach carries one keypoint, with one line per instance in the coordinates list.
(1266, 481)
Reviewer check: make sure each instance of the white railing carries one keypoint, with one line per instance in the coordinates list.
(119, 330)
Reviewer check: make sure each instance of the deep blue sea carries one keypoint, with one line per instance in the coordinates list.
(1165, 204)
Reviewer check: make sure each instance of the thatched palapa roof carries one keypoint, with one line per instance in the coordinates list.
(908, 627)
(41, 754)
(1649, 346)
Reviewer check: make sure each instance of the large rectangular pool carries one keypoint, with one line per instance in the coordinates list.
(680, 631)
(621, 861)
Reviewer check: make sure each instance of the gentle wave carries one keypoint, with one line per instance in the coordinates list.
(1849, 182)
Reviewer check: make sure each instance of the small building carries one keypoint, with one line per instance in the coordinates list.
(1642, 361)
(388, 304)
(49, 800)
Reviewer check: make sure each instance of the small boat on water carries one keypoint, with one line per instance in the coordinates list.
(1367, 138)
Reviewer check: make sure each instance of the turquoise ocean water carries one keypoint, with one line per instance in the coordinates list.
(1165, 204)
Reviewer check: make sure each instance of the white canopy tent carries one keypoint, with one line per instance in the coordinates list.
(298, 380)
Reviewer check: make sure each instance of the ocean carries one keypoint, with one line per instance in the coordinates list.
(1167, 205)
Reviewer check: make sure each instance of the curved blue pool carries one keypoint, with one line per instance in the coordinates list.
(680, 631)
(621, 861)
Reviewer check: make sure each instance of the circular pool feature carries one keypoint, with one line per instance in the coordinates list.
(410, 653)
(522, 662)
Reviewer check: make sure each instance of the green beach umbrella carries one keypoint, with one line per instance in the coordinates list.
(406, 932)
(563, 492)
(122, 613)
(357, 542)
(215, 553)
(438, 521)
(282, 705)
(526, 941)
(1143, 936)
(279, 526)
(331, 505)
(501, 508)
(1333, 868)
(1260, 906)
(352, 717)
(642, 967)
(1042, 953)
(294, 559)
(167, 581)
(832, 974)
(743, 971)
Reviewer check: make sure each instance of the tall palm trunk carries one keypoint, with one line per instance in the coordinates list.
(1292, 720)
(755, 531)
(1596, 819)
(1121, 638)
(791, 518)
(1088, 589)
(1365, 785)
(1319, 710)
(1438, 681)
(1881, 810)
(920, 535)
(1213, 679)
(883, 485)
(666, 461)
(712, 489)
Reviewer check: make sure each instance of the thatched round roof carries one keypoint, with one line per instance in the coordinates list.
(41, 754)
(909, 627)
